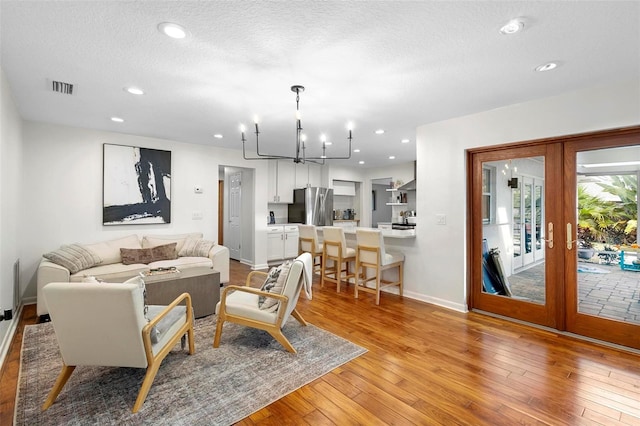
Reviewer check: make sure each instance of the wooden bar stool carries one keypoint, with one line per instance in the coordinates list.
(336, 251)
(309, 244)
(371, 255)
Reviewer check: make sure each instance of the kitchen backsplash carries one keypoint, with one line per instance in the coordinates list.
(280, 211)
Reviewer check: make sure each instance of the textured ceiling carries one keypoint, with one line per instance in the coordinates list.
(390, 65)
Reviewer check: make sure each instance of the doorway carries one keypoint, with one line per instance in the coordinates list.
(524, 216)
(237, 212)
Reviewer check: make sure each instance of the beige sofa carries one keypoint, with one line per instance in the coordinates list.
(111, 268)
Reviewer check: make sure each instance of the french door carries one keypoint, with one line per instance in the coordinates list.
(603, 291)
(527, 230)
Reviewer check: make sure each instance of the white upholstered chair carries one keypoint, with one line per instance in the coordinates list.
(309, 243)
(240, 304)
(335, 254)
(104, 324)
(372, 257)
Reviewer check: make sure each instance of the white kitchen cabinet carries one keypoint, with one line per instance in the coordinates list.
(282, 242)
(281, 181)
(291, 237)
(342, 187)
(308, 174)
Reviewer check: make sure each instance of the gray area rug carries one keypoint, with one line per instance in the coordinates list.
(212, 387)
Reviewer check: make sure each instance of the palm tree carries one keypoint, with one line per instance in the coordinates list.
(613, 222)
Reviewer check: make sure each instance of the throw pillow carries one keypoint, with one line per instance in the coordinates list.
(274, 284)
(145, 308)
(196, 247)
(74, 257)
(157, 240)
(148, 255)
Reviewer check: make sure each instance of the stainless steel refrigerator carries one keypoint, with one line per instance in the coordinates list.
(312, 206)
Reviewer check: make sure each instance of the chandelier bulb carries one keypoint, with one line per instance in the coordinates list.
(242, 128)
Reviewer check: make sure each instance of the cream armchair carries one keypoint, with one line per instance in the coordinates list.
(104, 324)
(240, 304)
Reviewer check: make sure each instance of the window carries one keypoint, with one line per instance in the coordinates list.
(488, 191)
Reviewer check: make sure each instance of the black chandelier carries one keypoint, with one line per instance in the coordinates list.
(300, 156)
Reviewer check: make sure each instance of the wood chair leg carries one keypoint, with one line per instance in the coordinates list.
(152, 370)
(191, 337)
(297, 316)
(216, 339)
(378, 279)
(59, 384)
(277, 334)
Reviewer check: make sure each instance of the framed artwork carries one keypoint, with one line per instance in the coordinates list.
(136, 185)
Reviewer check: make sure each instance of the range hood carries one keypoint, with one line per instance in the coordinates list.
(409, 186)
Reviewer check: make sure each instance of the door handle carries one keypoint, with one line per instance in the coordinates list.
(550, 234)
(569, 235)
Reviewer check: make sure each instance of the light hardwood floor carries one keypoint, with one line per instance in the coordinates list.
(430, 366)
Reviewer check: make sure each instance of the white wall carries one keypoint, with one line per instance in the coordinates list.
(62, 190)
(10, 211)
(438, 273)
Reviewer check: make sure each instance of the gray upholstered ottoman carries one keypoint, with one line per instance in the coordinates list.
(203, 284)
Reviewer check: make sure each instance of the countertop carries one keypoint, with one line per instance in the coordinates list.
(387, 233)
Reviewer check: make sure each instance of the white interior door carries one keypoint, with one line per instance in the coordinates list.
(234, 237)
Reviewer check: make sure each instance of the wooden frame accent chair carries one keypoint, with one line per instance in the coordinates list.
(241, 304)
(371, 255)
(104, 324)
(336, 251)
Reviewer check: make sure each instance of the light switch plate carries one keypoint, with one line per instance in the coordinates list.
(441, 219)
(196, 215)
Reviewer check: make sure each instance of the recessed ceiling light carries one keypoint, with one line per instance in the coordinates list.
(217, 136)
(546, 67)
(172, 30)
(405, 141)
(356, 150)
(134, 90)
(117, 119)
(392, 157)
(360, 162)
(512, 27)
(379, 131)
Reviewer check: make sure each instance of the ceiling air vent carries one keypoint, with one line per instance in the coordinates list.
(61, 87)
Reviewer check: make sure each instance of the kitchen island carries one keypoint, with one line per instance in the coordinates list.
(395, 240)
(350, 234)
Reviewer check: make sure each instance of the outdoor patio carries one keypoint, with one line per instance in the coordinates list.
(604, 290)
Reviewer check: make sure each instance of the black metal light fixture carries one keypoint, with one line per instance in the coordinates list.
(300, 156)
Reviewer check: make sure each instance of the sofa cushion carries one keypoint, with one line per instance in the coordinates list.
(179, 239)
(74, 257)
(196, 247)
(109, 251)
(115, 273)
(148, 255)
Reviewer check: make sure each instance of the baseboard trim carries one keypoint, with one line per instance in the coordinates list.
(460, 307)
(8, 337)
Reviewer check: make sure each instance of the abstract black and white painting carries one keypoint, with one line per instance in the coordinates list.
(136, 185)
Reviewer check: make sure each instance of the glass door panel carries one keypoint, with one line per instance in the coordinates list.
(603, 291)
(510, 259)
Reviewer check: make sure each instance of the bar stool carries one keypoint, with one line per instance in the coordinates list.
(336, 250)
(309, 243)
(371, 255)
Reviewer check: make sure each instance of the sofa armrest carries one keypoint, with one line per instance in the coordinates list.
(219, 255)
(49, 272)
